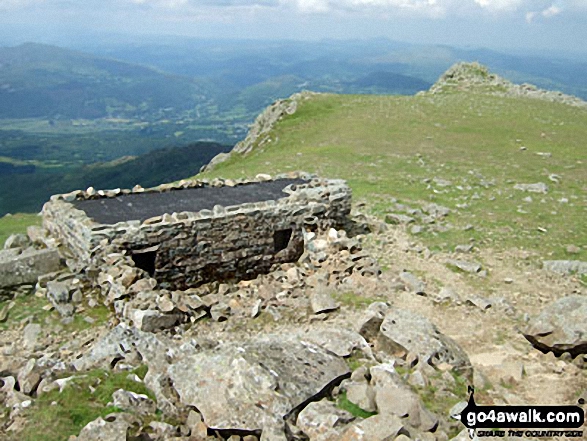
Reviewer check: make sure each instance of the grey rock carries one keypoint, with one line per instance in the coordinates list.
(151, 320)
(29, 377)
(436, 210)
(468, 267)
(31, 335)
(220, 312)
(17, 241)
(376, 428)
(121, 343)
(479, 302)
(361, 394)
(565, 267)
(249, 385)
(133, 402)
(539, 187)
(413, 283)
(394, 397)
(457, 409)
(464, 436)
(463, 248)
(323, 420)
(322, 301)
(58, 292)
(25, 268)
(341, 342)
(113, 427)
(560, 327)
(398, 219)
(403, 332)
(370, 322)
(447, 294)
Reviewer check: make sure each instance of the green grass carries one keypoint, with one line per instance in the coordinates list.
(386, 146)
(30, 306)
(16, 223)
(355, 300)
(76, 406)
(344, 403)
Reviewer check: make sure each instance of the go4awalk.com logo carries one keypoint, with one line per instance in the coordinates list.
(522, 421)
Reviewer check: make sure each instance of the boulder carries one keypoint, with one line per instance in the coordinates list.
(394, 397)
(565, 267)
(376, 428)
(25, 268)
(560, 327)
(121, 343)
(133, 402)
(539, 187)
(340, 341)
(322, 301)
(323, 421)
(404, 332)
(113, 427)
(257, 383)
(369, 324)
(17, 241)
(413, 283)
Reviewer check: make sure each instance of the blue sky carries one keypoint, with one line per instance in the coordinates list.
(497, 24)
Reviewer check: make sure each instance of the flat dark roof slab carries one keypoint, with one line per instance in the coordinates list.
(142, 206)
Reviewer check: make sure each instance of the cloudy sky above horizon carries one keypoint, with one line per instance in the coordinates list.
(514, 24)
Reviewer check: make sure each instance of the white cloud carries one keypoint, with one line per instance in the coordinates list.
(551, 11)
(7, 5)
(530, 16)
(499, 5)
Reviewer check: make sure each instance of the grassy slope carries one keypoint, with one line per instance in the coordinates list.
(373, 142)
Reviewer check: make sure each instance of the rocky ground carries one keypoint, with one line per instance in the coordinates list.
(368, 337)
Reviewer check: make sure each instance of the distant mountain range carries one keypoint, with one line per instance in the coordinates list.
(63, 110)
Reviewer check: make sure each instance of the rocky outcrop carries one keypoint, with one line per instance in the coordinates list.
(404, 333)
(560, 327)
(477, 78)
(263, 124)
(18, 267)
(257, 383)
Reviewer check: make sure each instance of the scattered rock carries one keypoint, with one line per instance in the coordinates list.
(539, 187)
(322, 420)
(370, 322)
(413, 283)
(398, 219)
(113, 427)
(17, 241)
(447, 294)
(376, 428)
(479, 302)
(468, 267)
(133, 402)
(322, 301)
(403, 332)
(463, 248)
(31, 335)
(565, 267)
(394, 397)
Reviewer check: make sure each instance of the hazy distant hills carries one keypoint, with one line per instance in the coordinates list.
(64, 111)
(153, 168)
(46, 81)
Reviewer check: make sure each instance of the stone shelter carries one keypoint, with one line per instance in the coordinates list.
(197, 231)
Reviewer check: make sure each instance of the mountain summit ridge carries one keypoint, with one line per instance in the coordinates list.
(475, 77)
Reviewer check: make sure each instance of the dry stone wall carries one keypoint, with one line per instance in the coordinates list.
(186, 249)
